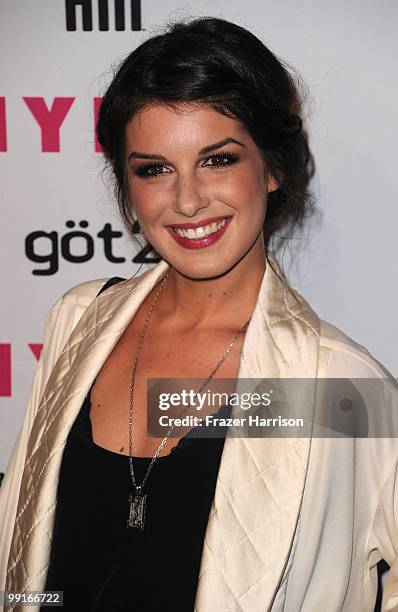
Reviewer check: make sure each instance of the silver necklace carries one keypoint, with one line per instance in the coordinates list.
(137, 500)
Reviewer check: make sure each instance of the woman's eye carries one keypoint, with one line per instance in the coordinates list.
(217, 160)
(150, 170)
(222, 159)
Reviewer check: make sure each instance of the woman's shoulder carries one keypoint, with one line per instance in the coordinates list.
(345, 357)
(80, 296)
(83, 292)
(71, 305)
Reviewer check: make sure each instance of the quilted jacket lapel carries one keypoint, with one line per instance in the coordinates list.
(260, 483)
(86, 350)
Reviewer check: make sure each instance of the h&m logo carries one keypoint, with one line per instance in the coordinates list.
(103, 15)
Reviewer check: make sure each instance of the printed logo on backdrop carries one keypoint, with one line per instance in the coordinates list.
(6, 365)
(77, 245)
(50, 119)
(81, 12)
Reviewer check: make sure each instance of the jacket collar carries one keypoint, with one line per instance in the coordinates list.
(260, 482)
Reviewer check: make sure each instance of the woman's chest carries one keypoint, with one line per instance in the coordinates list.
(126, 395)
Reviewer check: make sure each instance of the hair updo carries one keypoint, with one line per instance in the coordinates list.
(218, 63)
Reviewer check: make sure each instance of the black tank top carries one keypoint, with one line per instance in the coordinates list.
(99, 563)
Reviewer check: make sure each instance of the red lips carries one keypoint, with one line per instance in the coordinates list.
(199, 243)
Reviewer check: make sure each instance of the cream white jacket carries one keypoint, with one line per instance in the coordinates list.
(296, 524)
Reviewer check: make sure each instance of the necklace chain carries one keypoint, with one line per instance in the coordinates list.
(137, 503)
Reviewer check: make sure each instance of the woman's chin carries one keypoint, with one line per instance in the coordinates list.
(201, 270)
(213, 262)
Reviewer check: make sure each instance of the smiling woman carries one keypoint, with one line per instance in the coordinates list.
(207, 181)
(201, 126)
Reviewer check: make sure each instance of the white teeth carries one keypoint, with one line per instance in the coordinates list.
(199, 232)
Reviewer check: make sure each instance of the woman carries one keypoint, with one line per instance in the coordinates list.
(202, 128)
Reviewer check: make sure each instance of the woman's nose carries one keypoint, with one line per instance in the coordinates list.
(190, 196)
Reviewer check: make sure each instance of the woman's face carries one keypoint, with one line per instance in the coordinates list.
(199, 188)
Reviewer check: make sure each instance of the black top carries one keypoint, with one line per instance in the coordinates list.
(96, 560)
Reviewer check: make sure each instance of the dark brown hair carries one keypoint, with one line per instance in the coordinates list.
(219, 63)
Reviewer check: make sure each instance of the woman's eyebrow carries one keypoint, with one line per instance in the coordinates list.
(203, 151)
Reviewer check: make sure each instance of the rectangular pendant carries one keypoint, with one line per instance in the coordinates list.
(137, 511)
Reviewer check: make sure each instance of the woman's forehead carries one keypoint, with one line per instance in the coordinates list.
(191, 122)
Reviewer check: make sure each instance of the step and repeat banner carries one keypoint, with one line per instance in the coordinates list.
(59, 219)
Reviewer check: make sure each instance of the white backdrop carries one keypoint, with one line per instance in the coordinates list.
(346, 263)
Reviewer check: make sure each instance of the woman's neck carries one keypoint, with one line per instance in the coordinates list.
(228, 299)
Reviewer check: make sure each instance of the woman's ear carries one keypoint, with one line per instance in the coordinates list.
(272, 183)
